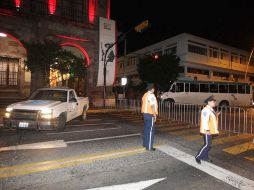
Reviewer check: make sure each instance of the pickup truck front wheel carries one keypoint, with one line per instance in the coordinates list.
(83, 116)
(61, 123)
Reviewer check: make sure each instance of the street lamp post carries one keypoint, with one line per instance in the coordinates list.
(139, 28)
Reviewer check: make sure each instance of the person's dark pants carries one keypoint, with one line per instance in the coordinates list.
(203, 153)
(148, 131)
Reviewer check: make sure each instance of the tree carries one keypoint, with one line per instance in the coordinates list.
(159, 70)
(40, 55)
(43, 56)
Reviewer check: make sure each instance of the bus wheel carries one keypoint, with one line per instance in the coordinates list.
(224, 103)
(170, 100)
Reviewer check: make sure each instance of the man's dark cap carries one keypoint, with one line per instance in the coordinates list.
(210, 98)
(149, 86)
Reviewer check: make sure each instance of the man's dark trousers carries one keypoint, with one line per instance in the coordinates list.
(203, 153)
(148, 131)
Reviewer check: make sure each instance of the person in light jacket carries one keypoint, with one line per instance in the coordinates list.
(149, 110)
(208, 127)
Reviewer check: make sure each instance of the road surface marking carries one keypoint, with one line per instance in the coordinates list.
(133, 186)
(193, 137)
(238, 149)
(89, 124)
(24, 169)
(40, 145)
(249, 158)
(89, 130)
(184, 132)
(168, 128)
(229, 139)
(93, 119)
(229, 177)
(103, 138)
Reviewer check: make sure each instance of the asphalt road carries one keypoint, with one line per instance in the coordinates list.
(105, 150)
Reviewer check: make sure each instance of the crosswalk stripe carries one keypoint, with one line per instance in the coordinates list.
(238, 149)
(184, 132)
(193, 137)
(249, 158)
(228, 139)
(169, 128)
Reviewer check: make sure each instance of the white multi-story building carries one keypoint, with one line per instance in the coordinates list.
(201, 59)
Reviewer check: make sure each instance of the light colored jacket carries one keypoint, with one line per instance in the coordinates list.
(208, 121)
(149, 100)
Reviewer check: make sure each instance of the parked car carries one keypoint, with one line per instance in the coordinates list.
(47, 108)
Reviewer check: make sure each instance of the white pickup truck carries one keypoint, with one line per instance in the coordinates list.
(47, 108)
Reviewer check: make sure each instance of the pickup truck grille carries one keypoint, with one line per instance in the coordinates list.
(24, 114)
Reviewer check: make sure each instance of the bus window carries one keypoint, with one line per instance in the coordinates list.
(173, 88)
(247, 89)
(214, 88)
(194, 87)
(232, 88)
(187, 87)
(180, 87)
(204, 88)
(223, 88)
(241, 88)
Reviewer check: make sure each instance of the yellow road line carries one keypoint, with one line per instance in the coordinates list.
(67, 162)
(238, 149)
(249, 158)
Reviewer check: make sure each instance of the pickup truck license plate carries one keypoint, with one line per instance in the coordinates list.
(23, 124)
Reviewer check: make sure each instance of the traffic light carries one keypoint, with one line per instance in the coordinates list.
(155, 56)
(142, 26)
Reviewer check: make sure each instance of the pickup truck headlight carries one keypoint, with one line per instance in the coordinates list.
(46, 113)
(8, 112)
(9, 109)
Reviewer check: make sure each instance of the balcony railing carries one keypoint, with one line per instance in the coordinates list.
(66, 11)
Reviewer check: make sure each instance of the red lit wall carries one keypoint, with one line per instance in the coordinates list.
(92, 9)
(52, 6)
(108, 11)
(17, 3)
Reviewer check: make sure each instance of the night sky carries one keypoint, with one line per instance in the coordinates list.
(227, 21)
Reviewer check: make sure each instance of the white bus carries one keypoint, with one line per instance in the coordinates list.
(196, 92)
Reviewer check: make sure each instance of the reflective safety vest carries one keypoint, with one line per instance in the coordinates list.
(208, 121)
(149, 100)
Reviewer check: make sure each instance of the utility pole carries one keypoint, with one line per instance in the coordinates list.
(124, 63)
(247, 67)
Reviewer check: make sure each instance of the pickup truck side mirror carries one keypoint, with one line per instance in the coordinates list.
(73, 100)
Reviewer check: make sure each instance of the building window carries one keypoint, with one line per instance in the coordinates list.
(170, 51)
(234, 57)
(242, 59)
(197, 49)
(9, 68)
(220, 74)
(224, 55)
(197, 71)
(252, 78)
(213, 52)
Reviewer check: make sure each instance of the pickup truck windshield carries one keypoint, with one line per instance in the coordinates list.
(56, 95)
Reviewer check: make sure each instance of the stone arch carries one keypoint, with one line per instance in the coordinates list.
(83, 51)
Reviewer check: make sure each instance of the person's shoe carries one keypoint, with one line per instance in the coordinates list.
(152, 149)
(198, 160)
(209, 160)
